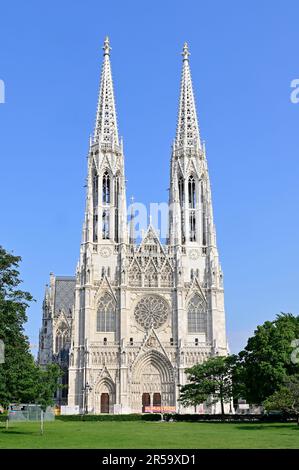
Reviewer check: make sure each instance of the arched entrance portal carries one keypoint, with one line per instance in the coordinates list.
(105, 396)
(152, 382)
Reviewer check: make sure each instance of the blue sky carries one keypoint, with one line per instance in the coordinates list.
(243, 58)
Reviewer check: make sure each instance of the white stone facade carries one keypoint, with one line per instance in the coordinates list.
(145, 312)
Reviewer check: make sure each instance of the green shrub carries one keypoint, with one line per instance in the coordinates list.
(151, 417)
(230, 418)
(101, 417)
(110, 417)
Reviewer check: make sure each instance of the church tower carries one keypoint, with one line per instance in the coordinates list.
(191, 228)
(145, 312)
(103, 244)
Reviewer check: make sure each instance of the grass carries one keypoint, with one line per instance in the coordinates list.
(148, 435)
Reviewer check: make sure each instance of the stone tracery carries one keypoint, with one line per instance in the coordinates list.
(106, 317)
(151, 312)
(197, 315)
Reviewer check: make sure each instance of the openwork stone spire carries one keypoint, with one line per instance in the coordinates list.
(106, 120)
(187, 134)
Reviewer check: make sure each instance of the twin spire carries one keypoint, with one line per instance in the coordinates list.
(187, 134)
(106, 120)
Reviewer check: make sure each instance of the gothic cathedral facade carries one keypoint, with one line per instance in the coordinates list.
(141, 312)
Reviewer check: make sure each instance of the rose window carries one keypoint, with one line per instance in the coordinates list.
(151, 312)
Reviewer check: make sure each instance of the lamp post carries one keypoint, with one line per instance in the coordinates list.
(86, 389)
(178, 398)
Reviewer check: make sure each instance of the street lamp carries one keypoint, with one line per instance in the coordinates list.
(178, 398)
(86, 389)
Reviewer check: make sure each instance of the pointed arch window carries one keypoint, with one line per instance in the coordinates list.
(197, 315)
(192, 204)
(58, 342)
(106, 314)
(192, 223)
(181, 183)
(62, 338)
(191, 192)
(95, 188)
(106, 188)
(95, 225)
(181, 191)
(116, 210)
(95, 200)
(105, 224)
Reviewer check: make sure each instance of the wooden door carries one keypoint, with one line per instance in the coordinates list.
(105, 403)
(157, 399)
(146, 401)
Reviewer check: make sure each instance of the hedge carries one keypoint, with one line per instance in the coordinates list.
(232, 418)
(229, 418)
(110, 417)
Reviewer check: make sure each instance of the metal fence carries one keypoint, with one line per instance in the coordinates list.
(29, 413)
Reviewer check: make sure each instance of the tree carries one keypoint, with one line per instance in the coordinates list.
(21, 380)
(48, 384)
(18, 372)
(286, 399)
(210, 381)
(266, 361)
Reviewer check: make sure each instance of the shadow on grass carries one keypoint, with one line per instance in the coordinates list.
(11, 431)
(255, 427)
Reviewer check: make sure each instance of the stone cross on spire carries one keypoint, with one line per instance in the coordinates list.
(185, 52)
(187, 134)
(106, 46)
(106, 120)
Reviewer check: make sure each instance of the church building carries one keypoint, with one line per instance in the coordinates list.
(137, 313)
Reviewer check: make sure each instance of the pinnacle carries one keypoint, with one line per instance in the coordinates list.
(185, 52)
(106, 120)
(187, 134)
(106, 46)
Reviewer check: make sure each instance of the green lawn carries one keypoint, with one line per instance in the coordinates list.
(138, 435)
